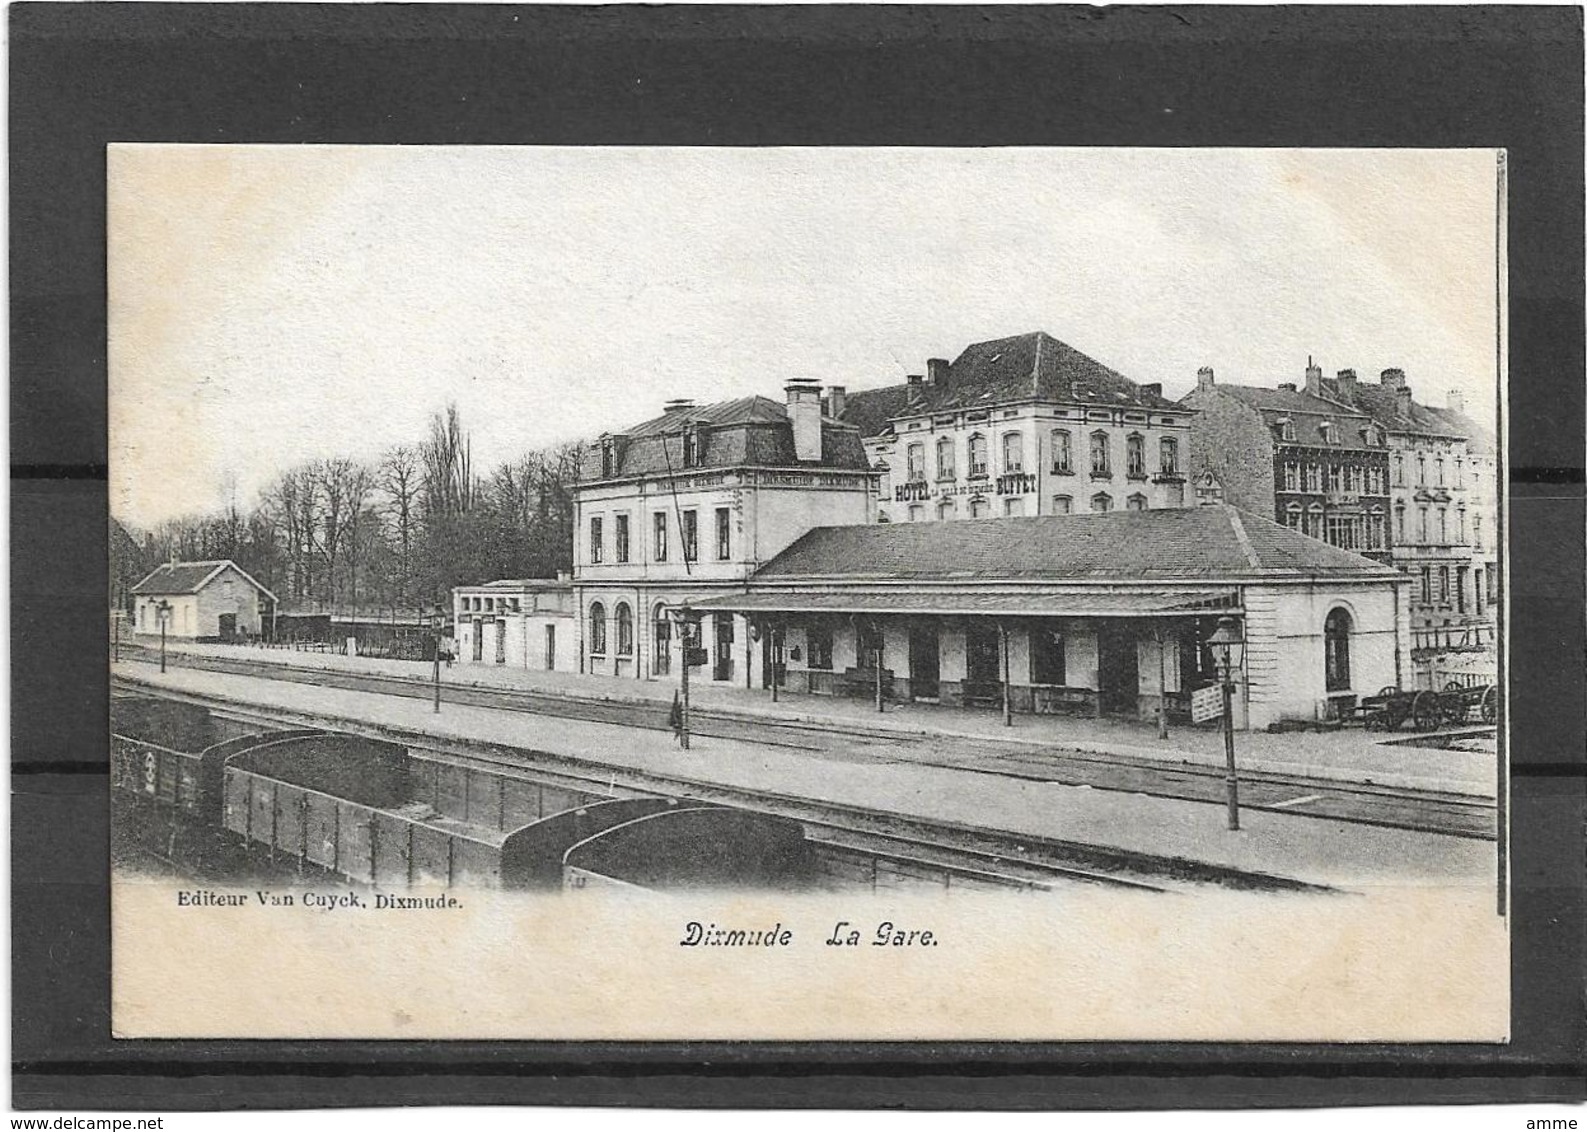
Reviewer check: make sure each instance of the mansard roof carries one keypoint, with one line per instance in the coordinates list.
(1026, 367)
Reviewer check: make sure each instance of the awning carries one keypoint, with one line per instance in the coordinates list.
(964, 603)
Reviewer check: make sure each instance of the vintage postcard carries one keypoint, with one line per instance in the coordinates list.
(808, 593)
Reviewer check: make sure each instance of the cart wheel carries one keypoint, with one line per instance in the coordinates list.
(1389, 690)
(1455, 709)
(1490, 704)
(1427, 711)
(1452, 686)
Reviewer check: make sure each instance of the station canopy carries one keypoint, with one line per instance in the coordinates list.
(977, 603)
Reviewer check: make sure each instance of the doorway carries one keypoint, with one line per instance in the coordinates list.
(501, 642)
(228, 626)
(925, 662)
(479, 640)
(722, 668)
(1118, 672)
(983, 675)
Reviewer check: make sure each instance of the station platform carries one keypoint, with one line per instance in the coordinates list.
(1314, 850)
(1348, 755)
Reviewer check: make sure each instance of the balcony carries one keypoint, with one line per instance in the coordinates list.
(1168, 475)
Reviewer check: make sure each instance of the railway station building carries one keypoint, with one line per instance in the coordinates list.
(687, 506)
(1104, 614)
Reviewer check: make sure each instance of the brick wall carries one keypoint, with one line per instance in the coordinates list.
(1230, 440)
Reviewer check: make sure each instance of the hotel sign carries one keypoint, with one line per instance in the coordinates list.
(917, 491)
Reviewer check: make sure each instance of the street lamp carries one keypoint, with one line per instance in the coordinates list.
(682, 617)
(1228, 647)
(439, 622)
(162, 613)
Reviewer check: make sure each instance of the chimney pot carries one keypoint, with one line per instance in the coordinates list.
(1393, 378)
(1204, 378)
(804, 414)
(937, 371)
(1314, 380)
(1347, 375)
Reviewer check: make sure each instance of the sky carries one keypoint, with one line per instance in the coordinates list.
(275, 304)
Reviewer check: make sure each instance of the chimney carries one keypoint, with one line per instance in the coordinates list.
(1313, 378)
(1204, 377)
(804, 413)
(1287, 386)
(678, 405)
(914, 380)
(1393, 379)
(837, 396)
(937, 371)
(1347, 384)
(1155, 389)
(1455, 402)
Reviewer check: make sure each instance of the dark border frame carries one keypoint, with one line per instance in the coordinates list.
(84, 75)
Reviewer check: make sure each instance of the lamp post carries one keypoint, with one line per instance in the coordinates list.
(681, 616)
(1228, 645)
(162, 613)
(439, 621)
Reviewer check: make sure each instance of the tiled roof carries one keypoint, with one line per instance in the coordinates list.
(1305, 413)
(966, 601)
(747, 432)
(1034, 366)
(1191, 543)
(1478, 439)
(189, 577)
(1383, 404)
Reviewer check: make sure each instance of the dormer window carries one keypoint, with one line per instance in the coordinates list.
(691, 446)
(1286, 430)
(1330, 434)
(608, 457)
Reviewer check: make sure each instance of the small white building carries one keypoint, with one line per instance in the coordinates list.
(203, 601)
(519, 623)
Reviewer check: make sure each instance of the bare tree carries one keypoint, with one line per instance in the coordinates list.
(400, 481)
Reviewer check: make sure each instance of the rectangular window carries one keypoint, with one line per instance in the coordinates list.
(724, 534)
(819, 643)
(1314, 477)
(1460, 589)
(1062, 454)
(1427, 585)
(945, 470)
(1399, 470)
(595, 539)
(621, 536)
(1013, 507)
(1168, 456)
(1443, 584)
(1100, 464)
(658, 539)
(1443, 525)
(1291, 477)
(1047, 657)
(977, 456)
(1421, 524)
(1477, 532)
(916, 458)
(917, 513)
(691, 536)
(1135, 458)
(1336, 479)
(1013, 453)
(1062, 505)
(1357, 483)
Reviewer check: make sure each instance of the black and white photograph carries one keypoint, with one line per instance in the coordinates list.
(898, 593)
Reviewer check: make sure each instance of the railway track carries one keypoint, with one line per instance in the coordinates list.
(1419, 810)
(896, 846)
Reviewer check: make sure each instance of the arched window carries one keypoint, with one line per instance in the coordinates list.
(1136, 502)
(1013, 453)
(945, 509)
(597, 628)
(1101, 465)
(625, 630)
(1101, 501)
(1062, 452)
(978, 508)
(1292, 515)
(1135, 456)
(1062, 505)
(945, 458)
(977, 456)
(1168, 456)
(1336, 650)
